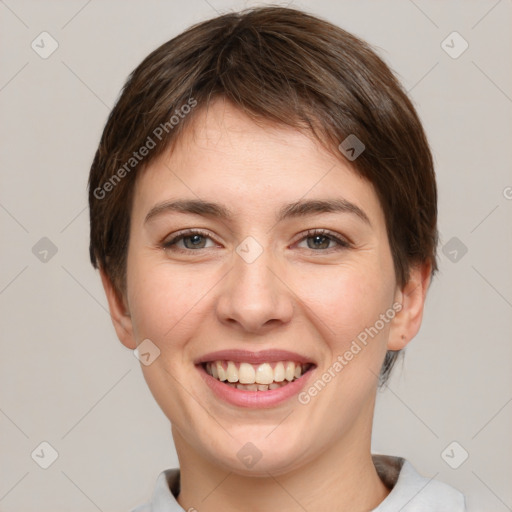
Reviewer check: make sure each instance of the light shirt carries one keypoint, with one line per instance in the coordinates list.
(410, 492)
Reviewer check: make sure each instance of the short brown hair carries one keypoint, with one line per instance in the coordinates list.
(276, 64)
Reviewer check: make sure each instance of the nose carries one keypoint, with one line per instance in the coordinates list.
(253, 298)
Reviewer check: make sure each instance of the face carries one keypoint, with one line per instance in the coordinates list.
(262, 279)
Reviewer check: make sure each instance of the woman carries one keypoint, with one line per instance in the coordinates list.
(263, 215)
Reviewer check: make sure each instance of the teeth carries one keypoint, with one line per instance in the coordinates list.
(221, 373)
(260, 377)
(258, 387)
(279, 372)
(232, 372)
(246, 374)
(264, 374)
(290, 371)
(247, 387)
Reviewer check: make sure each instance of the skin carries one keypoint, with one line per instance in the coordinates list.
(294, 296)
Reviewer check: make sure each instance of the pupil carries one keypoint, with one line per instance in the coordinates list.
(318, 238)
(194, 239)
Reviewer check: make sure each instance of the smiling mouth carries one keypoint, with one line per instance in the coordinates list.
(256, 377)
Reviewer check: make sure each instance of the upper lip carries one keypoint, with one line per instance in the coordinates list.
(245, 356)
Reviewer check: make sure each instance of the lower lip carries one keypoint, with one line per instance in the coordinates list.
(255, 399)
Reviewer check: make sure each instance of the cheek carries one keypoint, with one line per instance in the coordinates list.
(165, 302)
(165, 306)
(151, 306)
(346, 299)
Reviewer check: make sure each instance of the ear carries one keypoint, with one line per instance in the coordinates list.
(118, 313)
(407, 321)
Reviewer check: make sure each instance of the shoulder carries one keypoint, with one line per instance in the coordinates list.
(143, 508)
(165, 493)
(412, 492)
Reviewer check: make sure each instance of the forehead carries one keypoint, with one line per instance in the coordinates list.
(227, 134)
(223, 154)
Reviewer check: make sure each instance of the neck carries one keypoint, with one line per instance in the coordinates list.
(343, 478)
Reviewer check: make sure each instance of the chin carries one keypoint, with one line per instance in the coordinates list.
(258, 455)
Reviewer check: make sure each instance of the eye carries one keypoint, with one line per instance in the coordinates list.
(192, 239)
(322, 238)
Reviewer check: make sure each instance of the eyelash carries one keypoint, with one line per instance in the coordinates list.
(342, 244)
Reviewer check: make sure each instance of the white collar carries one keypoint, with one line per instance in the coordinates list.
(410, 492)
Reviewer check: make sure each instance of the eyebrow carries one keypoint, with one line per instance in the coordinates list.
(299, 208)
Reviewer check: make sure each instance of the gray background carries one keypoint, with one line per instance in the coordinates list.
(64, 377)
